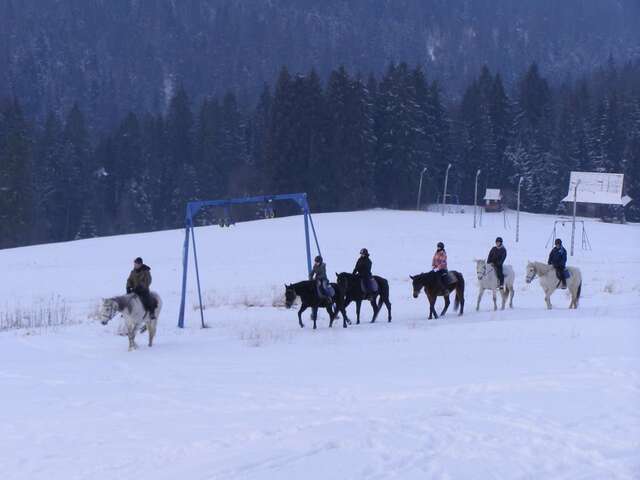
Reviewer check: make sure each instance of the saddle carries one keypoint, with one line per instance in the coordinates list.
(449, 278)
(369, 286)
(326, 290)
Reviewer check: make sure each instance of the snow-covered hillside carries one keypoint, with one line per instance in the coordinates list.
(523, 393)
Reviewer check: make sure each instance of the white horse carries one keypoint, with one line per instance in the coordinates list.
(135, 317)
(549, 281)
(488, 280)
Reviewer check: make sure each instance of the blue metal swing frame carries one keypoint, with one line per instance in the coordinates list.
(193, 208)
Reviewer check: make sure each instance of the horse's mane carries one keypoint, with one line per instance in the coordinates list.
(123, 301)
(541, 266)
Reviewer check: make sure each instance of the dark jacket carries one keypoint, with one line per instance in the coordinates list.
(319, 272)
(140, 278)
(497, 256)
(363, 267)
(558, 257)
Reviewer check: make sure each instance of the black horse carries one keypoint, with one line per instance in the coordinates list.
(308, 293)
(433, 288)
(351, 285)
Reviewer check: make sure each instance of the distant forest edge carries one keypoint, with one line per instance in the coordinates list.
(351, 143)
(112, 57)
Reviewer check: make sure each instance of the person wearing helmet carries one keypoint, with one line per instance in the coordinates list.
(362, 271)
(319, 275)
(558, 258)
(496, 258)
(439, 265)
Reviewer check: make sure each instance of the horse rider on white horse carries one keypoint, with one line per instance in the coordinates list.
(497, 256)
(558, 258)
(139, 282)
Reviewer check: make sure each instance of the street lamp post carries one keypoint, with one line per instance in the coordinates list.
(420, 188)
(573, 223)
(444, 194)
(518, 212)
(475, 199)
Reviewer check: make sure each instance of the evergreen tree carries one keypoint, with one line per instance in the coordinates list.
(350, 142)
(16, 207)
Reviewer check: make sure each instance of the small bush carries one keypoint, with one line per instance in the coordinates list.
(51, 312)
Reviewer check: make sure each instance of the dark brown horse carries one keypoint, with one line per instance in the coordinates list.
(350, 284)
(308, 293)
(433, 288)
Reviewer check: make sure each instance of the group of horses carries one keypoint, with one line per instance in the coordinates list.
(348, 289)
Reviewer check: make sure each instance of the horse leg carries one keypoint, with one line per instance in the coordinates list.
(345, 319)
(332, 315)
(504, 294)
(376, 310)
(151, 327)
(131, 333)
(495, 305)
(314, 316)
(512, 292)
(479, 298)
(358, 304)
(432, 308)
(447, 302)
(302, 309)
(388, 304)
(547, 299)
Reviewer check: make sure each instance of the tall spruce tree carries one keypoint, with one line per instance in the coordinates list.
(16, 207)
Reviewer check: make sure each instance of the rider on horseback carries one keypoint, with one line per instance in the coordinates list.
(497, 256)
(439, 264)
(558, 258)
(362, 271)
(139, 282)
(319, 274)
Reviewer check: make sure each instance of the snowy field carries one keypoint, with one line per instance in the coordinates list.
(516, 394)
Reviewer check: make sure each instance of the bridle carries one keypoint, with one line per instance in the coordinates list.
(108, 311)
(484, 271)
(531, 276)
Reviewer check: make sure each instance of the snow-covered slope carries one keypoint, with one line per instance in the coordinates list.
(526, 393)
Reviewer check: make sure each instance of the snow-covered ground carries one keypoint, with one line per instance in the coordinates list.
(517, 394)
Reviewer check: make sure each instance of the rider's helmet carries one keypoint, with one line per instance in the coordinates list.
(318, 259)
(499, 239)
(558, 241)
(440, 245)
(364, 251)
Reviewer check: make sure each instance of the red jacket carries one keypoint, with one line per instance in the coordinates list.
(440, 260)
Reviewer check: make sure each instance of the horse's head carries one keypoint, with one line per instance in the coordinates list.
(289, 295)
(108, 309)
(342, 279)
(417, 285)
(481, 269)
(531, 272)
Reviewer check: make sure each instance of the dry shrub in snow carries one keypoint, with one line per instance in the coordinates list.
(40, 314)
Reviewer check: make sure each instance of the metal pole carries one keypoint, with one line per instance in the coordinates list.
(195, 259)
(185, 266)
(306, 236)
(573, 223)
(518, 214)
(420, 188)
(444, 195)
(475, 199)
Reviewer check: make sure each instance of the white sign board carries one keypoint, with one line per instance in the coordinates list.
(595, 187)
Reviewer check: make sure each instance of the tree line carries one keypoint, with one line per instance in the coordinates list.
(351, 142)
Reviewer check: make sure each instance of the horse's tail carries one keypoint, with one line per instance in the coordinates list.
(579, 291)
(459, 301)
(383, 285)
